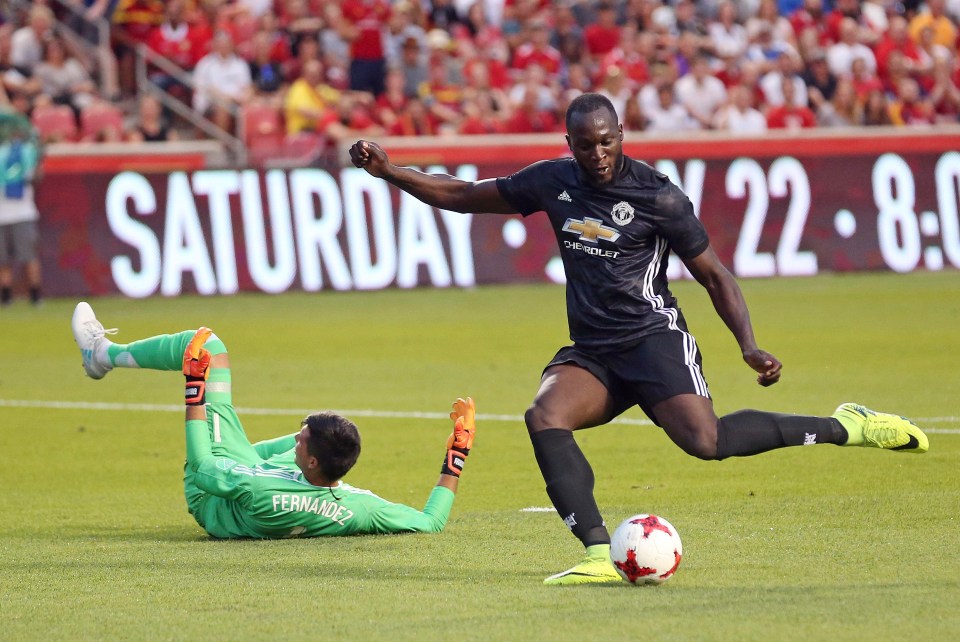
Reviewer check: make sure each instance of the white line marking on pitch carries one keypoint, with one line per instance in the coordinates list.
(382, 414)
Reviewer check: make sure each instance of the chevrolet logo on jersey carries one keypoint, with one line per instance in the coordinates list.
(590, 229)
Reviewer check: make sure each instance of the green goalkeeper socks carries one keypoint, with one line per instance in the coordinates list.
(162, 352)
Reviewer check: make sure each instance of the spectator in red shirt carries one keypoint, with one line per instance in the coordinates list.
(630, 57)
(528, 118)
(415, 120)
(810, 17)
(481, 115)
(602, 36)
(864, 81)
(789, 115)
(364, 20)
(393, 101)
(944, 93)
(536, 50)
(179, 42)
(897, 39)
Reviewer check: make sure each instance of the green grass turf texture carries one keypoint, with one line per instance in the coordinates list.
(817, 543)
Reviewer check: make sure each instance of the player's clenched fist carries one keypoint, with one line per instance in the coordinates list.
(370, 157)
(196, 364)
(460, 441)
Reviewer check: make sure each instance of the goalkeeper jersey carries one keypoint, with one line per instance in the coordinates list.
(269, 498)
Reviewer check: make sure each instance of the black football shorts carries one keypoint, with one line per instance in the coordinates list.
(661, 366)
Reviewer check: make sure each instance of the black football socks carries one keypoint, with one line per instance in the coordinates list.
(569, 481)
(749, 432)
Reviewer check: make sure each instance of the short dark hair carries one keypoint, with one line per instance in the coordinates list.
(587, 104)
(334, 441)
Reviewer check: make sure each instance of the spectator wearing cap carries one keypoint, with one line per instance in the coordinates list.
(840, 56)
(700, 92)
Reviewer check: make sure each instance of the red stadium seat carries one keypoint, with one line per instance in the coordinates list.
(262, 130)
(101, 121)
(55, 123)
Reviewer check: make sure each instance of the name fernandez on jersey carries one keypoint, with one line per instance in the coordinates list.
(306, 504)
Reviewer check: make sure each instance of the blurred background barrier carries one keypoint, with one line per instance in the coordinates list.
(141, 223)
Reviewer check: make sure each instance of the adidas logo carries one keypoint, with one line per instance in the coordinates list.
(564, 197)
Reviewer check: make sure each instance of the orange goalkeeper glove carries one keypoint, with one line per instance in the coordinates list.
(460, 441)
(196, 361)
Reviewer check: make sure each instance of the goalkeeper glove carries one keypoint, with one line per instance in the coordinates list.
(461, 440)
(196, 361)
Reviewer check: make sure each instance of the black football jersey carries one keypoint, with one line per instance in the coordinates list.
(614, 242)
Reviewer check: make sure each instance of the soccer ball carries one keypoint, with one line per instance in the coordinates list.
(646, 549)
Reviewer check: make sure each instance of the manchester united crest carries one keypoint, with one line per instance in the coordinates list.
(622, 213)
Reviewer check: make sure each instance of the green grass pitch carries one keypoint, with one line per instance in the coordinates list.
(816, 543)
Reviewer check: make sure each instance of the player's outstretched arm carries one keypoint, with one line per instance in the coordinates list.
(439, 190)
(459, 442)
(729, 303)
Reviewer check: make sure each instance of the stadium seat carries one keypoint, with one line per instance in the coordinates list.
(55, 123)
(101, 121)
(262, 130)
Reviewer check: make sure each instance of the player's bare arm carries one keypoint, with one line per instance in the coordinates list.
(439, 190)
(729, 303)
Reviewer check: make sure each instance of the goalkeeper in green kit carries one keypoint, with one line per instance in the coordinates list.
(286, 487)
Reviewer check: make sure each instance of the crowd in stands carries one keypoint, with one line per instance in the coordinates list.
(341, 69)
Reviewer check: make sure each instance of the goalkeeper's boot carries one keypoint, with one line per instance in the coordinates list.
(89, 335)
(596, 568)
(873, 429)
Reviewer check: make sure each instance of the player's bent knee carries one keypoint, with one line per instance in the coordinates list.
(539, 418)
(701, 444)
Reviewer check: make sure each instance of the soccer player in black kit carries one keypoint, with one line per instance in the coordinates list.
(616, 219)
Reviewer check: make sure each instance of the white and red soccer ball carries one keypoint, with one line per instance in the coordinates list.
(646, 549)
